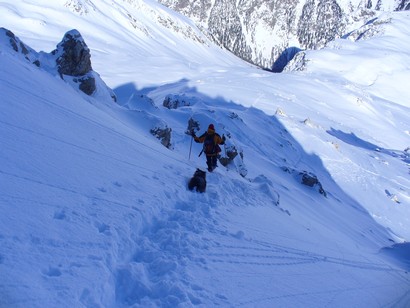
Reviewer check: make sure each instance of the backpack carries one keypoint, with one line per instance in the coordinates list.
(210, 146)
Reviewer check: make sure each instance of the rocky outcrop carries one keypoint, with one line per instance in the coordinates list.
(175, 101)
(71, 60)
(306, 178)
(73, 55)
(9, 40)
(163, 134)
(193, 126)
(86, 84)
(403, 5)
(309, 179)
(230, 153)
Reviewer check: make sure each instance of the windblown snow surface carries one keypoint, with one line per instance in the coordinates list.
(95, 212)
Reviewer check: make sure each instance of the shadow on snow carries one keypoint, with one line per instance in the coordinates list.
(167, 247)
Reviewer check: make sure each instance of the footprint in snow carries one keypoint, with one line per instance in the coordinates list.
(52, 272)
(103, 228)
(186, 206)
(118, 184)
(60, 215)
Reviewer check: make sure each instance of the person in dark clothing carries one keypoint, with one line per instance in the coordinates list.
(211, 141)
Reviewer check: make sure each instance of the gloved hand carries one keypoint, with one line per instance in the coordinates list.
(193, 134)
(223, 138)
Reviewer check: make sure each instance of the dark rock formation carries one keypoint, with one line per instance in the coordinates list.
(403, 5)
(18, 46)
(74, 58)
(309, 179)
(306, 178)
(163, 134)
(87, 85)
(71, 60)
(175, 101)
(230, 154)
(193, 126)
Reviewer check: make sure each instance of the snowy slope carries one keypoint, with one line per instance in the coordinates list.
(139, 41)
(95, 211)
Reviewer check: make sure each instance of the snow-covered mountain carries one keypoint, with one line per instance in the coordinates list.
(269, 32)
(94, 210)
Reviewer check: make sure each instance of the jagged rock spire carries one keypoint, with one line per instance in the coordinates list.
(74, 58)
(71, 60)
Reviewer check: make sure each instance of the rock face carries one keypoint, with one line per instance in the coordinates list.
(87, 85)
(260, 31)
(175, 101)
(320, 23)
(74, 56)
(403, 5)
(163, 134)
(71, 60)
(15, 43)
(306, 178)
(309, 179)
(9, 40)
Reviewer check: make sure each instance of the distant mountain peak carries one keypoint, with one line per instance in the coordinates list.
(259, 31)
(82, 7)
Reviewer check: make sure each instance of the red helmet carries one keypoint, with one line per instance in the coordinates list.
(211, 126)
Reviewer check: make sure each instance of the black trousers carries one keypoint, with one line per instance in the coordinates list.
(211, 161)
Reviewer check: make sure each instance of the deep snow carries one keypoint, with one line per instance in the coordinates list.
(95, 211)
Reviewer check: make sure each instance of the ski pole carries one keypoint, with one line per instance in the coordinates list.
(190, 148)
